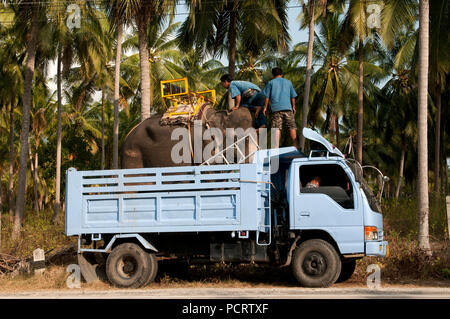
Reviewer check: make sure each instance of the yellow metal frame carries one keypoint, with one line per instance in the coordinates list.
(185, 97)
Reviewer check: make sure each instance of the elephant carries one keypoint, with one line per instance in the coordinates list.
(150, 144)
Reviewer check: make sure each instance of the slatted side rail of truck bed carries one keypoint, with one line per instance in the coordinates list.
(153, 200)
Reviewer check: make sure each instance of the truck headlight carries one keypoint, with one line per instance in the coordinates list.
(370, 233)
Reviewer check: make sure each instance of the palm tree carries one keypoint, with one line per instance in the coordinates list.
(422, 178)
(162, 50)
(166, 62)
(439, 69)
(143, 13)
(334, 83)
(117, 95)
(63, 39)
(357, 25)
(201, 74)
(213, 27)
(397, 98)
(117, 91)
(310, 12)
(118, 19)
(32, 34)
(11, 87)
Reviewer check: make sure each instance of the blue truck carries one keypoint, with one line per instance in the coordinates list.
(258, 212)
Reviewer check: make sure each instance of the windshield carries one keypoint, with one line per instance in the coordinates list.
(368, 191)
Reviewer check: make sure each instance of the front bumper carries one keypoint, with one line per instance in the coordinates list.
(377, 248)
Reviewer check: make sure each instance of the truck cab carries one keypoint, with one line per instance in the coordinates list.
(335, 214)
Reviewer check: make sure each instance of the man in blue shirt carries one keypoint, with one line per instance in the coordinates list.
(246, 94)
(281, 95)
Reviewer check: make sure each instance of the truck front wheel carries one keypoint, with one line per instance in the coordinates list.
(316, 263)
(129, 266)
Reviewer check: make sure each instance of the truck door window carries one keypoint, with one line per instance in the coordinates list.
(328, 179)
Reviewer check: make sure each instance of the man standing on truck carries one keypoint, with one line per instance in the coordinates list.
(281, 94)
(245, 94)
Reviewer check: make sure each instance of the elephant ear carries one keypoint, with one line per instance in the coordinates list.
(202, 113)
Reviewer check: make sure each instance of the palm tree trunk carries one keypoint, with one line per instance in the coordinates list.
(57, 205)
(142, 25)
(102, 164)
(117, 97)
(400, 174)
(422, 176)
(36, 174)
(359, 137)
(1, 210)
(151, 82)
(437, 149)
(11, 161)
(1, 196)
(444, 176)
(232, 35)
(336, 127)
(35, 184)
(308, 74)
(28, 86)
(331, 122)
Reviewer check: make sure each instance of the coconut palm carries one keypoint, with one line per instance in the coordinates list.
(118, 20)
(214, 27)
(31, 13)
(201, 74)
(63, 40)
(11, 88)
(422, 178)
(439, 69)
(162, 53)
(143, 12)
(396, 114)
(335, 83)
(356, 25)
(310, 13)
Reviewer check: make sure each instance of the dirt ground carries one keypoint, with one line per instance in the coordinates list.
(57, 277)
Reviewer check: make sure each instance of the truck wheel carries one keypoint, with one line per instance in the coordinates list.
(129, 266)
(316, 264)
(154, 269)
(348, 268)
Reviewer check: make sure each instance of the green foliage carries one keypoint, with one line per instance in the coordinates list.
(401, 216)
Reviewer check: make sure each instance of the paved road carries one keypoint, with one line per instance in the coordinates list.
(237, 293)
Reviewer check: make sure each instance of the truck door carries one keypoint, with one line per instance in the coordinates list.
(333, 205)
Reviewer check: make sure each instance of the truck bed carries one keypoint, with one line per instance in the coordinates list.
(171, 199)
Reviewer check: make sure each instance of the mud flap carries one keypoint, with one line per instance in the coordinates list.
(88, 268)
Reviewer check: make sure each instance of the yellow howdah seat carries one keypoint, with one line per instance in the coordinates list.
(184, 106)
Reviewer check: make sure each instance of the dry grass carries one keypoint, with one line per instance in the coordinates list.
(38, 231)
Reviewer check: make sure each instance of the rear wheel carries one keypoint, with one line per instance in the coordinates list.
(316, 264)
(129, 266)
(154, 269)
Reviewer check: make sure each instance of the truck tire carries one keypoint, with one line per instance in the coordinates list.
(348, 268)
(316, 264)
(129, 266)
(154, 269)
